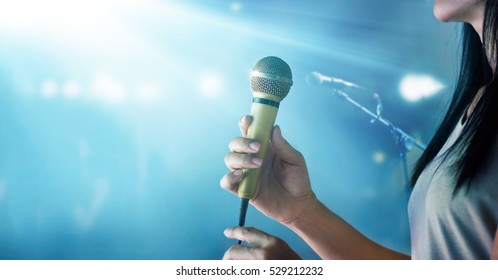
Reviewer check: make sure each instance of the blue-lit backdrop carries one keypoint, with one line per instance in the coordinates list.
(115, 117)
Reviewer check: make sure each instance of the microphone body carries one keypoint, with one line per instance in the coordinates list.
(271, 80)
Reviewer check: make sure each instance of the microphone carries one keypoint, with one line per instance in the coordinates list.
(318, 79)
(271, 80)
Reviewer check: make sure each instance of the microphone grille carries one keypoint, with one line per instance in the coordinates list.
(271, 75)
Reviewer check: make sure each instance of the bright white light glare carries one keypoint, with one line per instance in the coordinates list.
(28, 13)
(415, 87)
(378, 157)
(78, 23)
(108, 89)
(15, 14)
(211, 85)
(48, 89)
(235, 6)
(147, 93)
(71, 89)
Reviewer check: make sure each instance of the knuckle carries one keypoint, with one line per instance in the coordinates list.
(230, 160)
(232, 144)
(299, 155)
(239, 144)
(251, 229)
(227, 159)
(246, 231)
(237, 160)
(248, 160)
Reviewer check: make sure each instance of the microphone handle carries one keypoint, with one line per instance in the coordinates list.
(264, 111)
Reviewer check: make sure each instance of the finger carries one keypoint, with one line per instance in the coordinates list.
(288, 153)
(240, 252)
(244, 145)
(244, 124)
(239, 161)
(250, 235)
(231, 180)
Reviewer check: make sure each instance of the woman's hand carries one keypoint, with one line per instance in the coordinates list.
(284, 191)
(264, 246)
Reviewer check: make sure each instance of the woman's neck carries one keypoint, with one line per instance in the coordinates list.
(477, 19)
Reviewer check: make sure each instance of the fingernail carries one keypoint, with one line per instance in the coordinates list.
(238, 173)
(225, 232)
(254, 146)
(256, 161)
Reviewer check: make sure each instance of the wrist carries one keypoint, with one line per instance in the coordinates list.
(311, 208)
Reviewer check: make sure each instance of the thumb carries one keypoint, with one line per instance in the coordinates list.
(288, 153)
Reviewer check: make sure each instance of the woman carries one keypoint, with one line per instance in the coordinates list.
(453, 209)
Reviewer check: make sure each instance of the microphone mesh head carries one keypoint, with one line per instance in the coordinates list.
(271, 75)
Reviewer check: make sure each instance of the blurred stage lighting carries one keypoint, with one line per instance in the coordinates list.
(415, 87)
(235, 6)
(211, 85)
(49, 89)
(71, 89)
(108, 90)
(378, 157)
(15, 14)
(147, 94)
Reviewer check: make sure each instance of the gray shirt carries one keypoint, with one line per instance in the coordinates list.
(463, 226)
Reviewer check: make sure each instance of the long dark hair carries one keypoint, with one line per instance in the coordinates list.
(473, 146)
